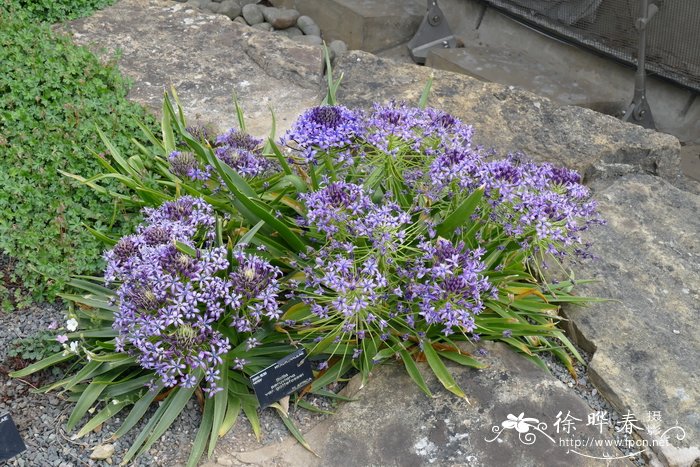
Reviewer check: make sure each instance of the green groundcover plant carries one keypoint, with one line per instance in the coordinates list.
(52, 94)
(53, 11)
(359, 237)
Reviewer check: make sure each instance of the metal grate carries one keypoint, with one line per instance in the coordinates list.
(673, 35)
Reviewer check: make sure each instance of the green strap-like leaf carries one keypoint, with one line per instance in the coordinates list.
(205, 429)
(251, 412)
(173, 411)
(292, 428)
(423, 101)
(109, 411)
(441, 371)
(232, 412)
(462, 359)
(461, 215)
(90, 396)
(41, 364)
(116, 155)
(413, 371)
(220, 402)
(137, 412)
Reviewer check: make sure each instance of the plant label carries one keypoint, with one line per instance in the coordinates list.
(282, 378)
(11, 442)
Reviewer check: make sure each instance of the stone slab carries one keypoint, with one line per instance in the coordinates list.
(508, 119)
(390, 427)
(370, 25)
(690, 161)
(647, 340)
(208, 58)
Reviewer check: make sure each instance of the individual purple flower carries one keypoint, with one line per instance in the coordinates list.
(61, 338)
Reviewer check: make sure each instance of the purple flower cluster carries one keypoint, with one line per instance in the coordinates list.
(243, 153)
(341, 287)
(171, 303)
(341, 209)
(391, 125)
(539, 203)
(326, 128)
(447, 285)
(185, 165)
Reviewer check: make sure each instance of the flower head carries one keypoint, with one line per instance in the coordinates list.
(325, 128)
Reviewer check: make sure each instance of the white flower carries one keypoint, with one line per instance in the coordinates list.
(74, 347)
(72, 324)
(115, 402)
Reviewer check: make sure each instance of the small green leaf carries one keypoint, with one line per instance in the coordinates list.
(423, 102)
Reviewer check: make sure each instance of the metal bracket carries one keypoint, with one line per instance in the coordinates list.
(639, 111)
(432, 32)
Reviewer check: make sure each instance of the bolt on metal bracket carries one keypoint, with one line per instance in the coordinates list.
(432, 32)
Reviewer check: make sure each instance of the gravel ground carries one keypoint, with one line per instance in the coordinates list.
(586, 391)
(41, 418)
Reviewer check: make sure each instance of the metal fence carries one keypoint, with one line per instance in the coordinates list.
(608, 26)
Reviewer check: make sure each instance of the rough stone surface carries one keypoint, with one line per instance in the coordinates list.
(165, 43)
(280, 18)
(230, 8)
(405, 427)
(646, 341)
(287, 60)
(308, 40)
(511, 120)
(252, 14)
(308, 26)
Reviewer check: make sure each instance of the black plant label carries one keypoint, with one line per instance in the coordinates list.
(282, 378)
(11, 442)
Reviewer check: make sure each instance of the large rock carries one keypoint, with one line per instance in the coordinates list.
(204, 56)
(391, 422)
(230, 8)
(253, 14)
(647, 338)
(511, 120)
(280, 18)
